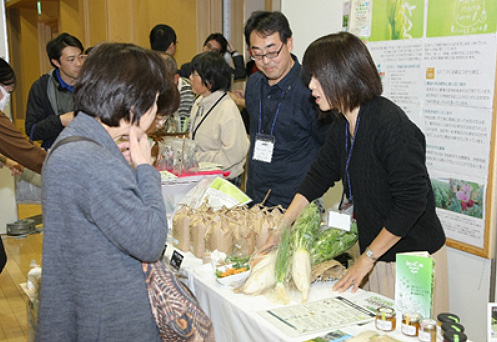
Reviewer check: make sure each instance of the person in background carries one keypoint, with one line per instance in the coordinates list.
(13, 144)
(217, 43)
(103, 210)
(50, 105)
(285, 131)
(379, 155)
(187, 96)
(216, 124)
(163, 39)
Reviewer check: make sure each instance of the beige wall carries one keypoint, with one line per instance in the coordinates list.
(96, 21)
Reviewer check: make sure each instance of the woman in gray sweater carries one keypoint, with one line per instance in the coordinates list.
(103, 210)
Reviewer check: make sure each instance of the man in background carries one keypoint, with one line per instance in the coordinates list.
(163, 39)
(50, 105)
(216, 42)
(285, 131)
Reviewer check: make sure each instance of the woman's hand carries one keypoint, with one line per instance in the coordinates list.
(139, 146)
(355, 274)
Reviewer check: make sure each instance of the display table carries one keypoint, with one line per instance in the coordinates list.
(235, 316)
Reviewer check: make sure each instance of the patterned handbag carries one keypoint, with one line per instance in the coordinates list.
(176, 311)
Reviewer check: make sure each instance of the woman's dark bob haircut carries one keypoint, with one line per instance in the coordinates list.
(118, 79)
(213, 70)
(343, 65)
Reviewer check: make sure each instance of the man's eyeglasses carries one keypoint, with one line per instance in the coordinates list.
(268, 55)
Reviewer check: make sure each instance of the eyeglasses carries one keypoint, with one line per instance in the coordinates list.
(268, 55)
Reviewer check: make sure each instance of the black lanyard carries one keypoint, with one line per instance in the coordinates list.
(205, 116)
(349, 156)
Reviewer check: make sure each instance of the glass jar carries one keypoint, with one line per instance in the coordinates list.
(452, 326)
(443, 318)
(410, 323)
(385, 318)
(454, 336)
(428, 330)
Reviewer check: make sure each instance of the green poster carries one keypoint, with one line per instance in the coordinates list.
(397, 19)
(461, 17)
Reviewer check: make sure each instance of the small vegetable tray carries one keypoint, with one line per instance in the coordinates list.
(230, 275)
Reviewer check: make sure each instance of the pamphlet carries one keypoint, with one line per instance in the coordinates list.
(414, 283)
(321, 315)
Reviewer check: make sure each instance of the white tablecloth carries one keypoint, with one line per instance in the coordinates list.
(235, 316)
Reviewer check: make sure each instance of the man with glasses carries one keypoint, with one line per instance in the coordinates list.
(285, 131)
(50, 102)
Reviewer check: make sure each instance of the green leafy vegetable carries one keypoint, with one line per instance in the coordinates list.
(332, 242)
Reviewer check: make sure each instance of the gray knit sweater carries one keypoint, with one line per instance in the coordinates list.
(101, 219)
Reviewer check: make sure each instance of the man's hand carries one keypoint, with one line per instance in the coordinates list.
(66, 118)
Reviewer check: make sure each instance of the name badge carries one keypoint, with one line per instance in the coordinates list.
(263, 148)
(341, 219)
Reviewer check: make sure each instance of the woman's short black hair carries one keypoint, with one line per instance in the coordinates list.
(218, 37)
(118, 79)
(268, 23)
(7, 75)
(213, 70)
(343, 65)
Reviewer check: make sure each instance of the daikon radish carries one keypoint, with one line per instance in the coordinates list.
(304, 232)
(262, 276)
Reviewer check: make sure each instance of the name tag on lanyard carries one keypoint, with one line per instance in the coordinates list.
(263, 148)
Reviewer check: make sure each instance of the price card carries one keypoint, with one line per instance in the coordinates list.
(176, 260)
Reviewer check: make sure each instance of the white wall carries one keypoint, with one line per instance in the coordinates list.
(469, 289)
(311, 19)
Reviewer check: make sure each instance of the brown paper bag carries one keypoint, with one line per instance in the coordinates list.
(221, 238)
(181, 228)
(198, 230)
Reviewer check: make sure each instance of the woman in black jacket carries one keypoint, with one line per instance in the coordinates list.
(379, 155)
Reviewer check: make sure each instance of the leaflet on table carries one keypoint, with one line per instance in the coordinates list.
(322, 315)
(217, 192)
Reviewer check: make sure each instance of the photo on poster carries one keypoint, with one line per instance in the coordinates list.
(461, 17)
(492, 322)
(459, 196)
(397, 19)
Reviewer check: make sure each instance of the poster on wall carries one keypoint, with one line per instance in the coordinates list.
(360, 18)
(442, 73)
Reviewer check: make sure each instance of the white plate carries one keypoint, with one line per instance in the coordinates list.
(234, 279)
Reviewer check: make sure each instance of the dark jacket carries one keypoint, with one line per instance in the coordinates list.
(46, 101)
(389, 181)
(298, 133)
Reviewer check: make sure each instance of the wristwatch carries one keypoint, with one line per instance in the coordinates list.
(369, 254)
